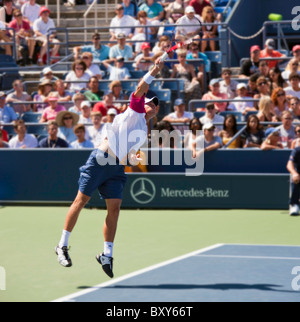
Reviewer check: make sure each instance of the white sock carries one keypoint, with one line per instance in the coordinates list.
(108, 249)
(64, 238)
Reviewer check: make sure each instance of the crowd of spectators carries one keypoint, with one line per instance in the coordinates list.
(265, 93)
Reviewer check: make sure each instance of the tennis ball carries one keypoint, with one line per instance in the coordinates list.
(275, 17)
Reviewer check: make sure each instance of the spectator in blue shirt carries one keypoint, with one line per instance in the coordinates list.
(100, 52)
(81, 142)
(154, 10)
(121, 49)
(7, 114)
(130, 8)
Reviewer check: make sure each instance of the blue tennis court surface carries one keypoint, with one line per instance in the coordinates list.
(220, 273)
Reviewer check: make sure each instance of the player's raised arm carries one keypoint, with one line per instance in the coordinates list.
(143, 86)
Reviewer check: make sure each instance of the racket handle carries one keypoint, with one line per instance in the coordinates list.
(164, 57)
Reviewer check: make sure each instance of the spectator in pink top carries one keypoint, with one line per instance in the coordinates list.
(50, 112)
(214, 95)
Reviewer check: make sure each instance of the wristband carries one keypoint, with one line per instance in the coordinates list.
(148, 78)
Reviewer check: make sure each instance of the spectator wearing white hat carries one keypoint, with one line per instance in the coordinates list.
(243, 107)
(111, 114)
(270, 52)
(180, 115)
(121, 49)
(189, 25)
(211, 141)
(86, 109)
(48, 75)
(121, 21)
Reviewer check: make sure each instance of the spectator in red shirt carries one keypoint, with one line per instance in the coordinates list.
(24, 35)
(104, 106)
(199, 5)
(269, 52)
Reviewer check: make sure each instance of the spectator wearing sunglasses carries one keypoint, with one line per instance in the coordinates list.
(294, 89)
(287, 130)
(100, 52)
(263, 87)
(295, 107)
(279, 100)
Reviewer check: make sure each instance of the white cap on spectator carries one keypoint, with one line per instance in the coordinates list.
(85, 104)
(241, 85)
(112, 111)
(189, 9)
(208, 126)
(47, 70)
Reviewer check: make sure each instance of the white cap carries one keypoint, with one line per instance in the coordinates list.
(112, 111)
(241, 85)
(189, 9)
(85, 103)
(208, 126)
(47, 70)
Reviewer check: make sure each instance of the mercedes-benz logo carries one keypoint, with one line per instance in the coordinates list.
(143, 190)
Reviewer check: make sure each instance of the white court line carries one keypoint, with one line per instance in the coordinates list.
(250, 257)
(71, 297)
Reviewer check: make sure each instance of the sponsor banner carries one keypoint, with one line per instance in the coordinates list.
(173, 191)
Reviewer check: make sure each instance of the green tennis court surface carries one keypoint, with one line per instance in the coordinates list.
(145, 238)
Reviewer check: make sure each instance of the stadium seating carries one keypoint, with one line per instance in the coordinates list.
(7, 77)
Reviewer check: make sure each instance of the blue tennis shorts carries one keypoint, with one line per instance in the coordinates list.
(108, 178)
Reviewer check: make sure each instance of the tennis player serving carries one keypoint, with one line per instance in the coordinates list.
(104, 170)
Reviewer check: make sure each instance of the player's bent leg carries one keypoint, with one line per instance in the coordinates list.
(62, 250)
(109, 233)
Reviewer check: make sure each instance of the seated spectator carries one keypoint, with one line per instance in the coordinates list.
(253, 136)
(250, 66)
(215, 95)
(272, 140)
(100, 52)
(263, 70)
(296, 53)
(270, 52)
(111, 114)
(266, 111)
(3, 143)
(252, 87)
(77, 99)
(243, 107)
(293, 66)
(276, 79)
(211, 141)
(144, 60)
(294, 89)
(106, 105)
(195, 53)
(193, 136)
(51, 112)
(211, 116)
(44, 89)
(121, 21)
(40, 28)
(165, 136)
(295, 108)
(86, 113)
(78, 74)
(209, 32)
(19, 95)
(4, 38)
(31, 11)
(48, 75)
(296, 141)
(118, 95)
(199, 5)
(287, 130)
(6, 12)
(140, 31)
(53, 141)
(229, 131)
(81, 142)
(227, 85)
(189, 25)
(118, 71)
(130, 8)
(66, 121)
(179, 116)
(185, 71)
(174, 11)
(280, 102)
(93, 93)
(22, 140)
(92, 69)
(7, 113)
(263, 87)
(24, 34)
(63, 94)
(154, 10)
(121, 49)
(96, 133)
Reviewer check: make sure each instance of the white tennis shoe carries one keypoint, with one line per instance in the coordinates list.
(63, 256)
(294, 210)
